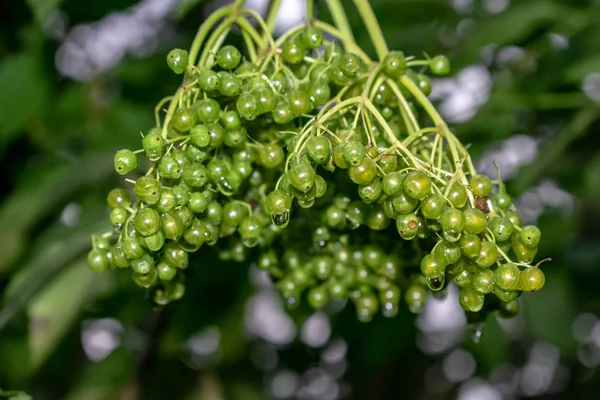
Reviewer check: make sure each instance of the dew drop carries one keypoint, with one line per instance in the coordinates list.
(452, 235)
(306, 203)
(281, 219)
(250, 242)
(436, 283)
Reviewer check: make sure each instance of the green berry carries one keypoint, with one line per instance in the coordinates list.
(501, 228)
(488, 254)
(228, 57)
(393, 183)
(481, 186)
(433, 206)
(208, 80)
(407, 226)
(97, 261)
(483, 281)
(177, 60)
(312, 37)
(147, 221)
(507, 277)
(148, 189)
(417, 185)
(470, 299)
(293, 50)
(475, 221)
(530, 235)
(153, 145)
(532, 279)
(363, 173)
(394, 64)
(439, 65)
(125, 161)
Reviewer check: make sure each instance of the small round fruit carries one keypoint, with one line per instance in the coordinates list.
(177, 60)
(228, 57)
(125, 161)
(439, 65)
(532, 279)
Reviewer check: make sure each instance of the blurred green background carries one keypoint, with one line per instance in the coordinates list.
(79, 80)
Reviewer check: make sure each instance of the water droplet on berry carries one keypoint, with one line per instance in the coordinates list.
(281, 219)
(436, 283)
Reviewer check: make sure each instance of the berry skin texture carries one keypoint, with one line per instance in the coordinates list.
(440, 65)
(125, 161)
(97, 261)
(532, 279)
(417, 185)
(394, 64)
(177, 60)
(481, 185)
(470, 299)
(530, 235)
(293, 51)
(228, 57)
(312, 37)
(507, 277)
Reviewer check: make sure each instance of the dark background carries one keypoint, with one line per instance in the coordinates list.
(79, 80)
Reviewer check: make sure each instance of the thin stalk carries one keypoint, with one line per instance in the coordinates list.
(370, 21)
(271, 19)
(203, 31)
(339, 18)
(310, 10)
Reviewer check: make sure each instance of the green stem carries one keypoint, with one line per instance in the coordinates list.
(370, 21)
(348, 42)
(271, 19)
(204, 29)
(250, 46)
(340, 19)
(393, 139)
(438, 121)
(214, 42)
(310, 10)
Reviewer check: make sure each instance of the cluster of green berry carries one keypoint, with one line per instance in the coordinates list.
(316, 162)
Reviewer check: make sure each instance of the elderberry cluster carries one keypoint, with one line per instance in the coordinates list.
(324, 168)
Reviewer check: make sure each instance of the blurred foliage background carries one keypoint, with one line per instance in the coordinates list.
(79, 80)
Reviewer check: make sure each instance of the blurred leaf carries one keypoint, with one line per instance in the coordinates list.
(45, 190)
(24, 93)
(557, 297)
(44, 263)
(14, 395)
(580, 69)
(42, 9)
(104, 380)
(54, 309)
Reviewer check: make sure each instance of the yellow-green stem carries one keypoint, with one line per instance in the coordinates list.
(370, 21)
(340, 19)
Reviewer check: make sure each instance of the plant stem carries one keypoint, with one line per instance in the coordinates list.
(271, 19)
(310, 10)
(339, 18)
(347, 41)
(370, 21)
(203, 31)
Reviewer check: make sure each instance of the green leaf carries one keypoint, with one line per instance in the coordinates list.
(579, 70)
(45, 262)
(42, 9)
(24, 94)
(40, 196)
(55, 308)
